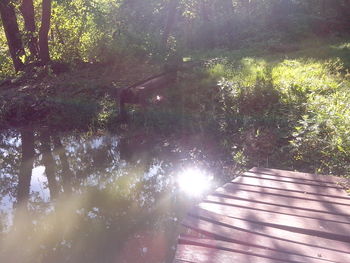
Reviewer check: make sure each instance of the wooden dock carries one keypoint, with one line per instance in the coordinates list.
(270, 216)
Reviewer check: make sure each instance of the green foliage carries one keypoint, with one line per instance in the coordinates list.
(288, 113)
(101, 30)
(269, 90)
(6, 68)
(298, 79)
(322, 137)
(82, 29)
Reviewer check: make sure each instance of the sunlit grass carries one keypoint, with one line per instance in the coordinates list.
(292, 77)
(304, 93)
(343, 46)
(298, 79)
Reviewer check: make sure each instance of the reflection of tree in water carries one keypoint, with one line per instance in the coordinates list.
(49, 163)
(9, 162)
(66, 173)
(25, 171)
(112, 196)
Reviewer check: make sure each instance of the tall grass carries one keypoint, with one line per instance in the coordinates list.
(288, 110)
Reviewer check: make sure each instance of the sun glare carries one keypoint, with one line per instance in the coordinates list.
(194, 181)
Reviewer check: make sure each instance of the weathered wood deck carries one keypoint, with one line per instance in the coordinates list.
(270, 216)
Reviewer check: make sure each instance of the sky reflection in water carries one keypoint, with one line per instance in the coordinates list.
(126, 206)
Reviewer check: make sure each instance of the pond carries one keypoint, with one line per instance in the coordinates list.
(99, 197)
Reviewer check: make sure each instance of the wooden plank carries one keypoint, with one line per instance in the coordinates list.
(305, 176)
(300, 211)
(269, 215)
(293, 180)
(193, 233)
(197, 254)
(261, 228)
(291, 187)
(316, 227)
(238, 192)
(244, 232)
(287, 256)
(235, 189)
(182, 261)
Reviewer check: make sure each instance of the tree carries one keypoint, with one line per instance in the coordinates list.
(44, 53)
(172, 8)
(39, 49)
(13, 36)
(28, 13)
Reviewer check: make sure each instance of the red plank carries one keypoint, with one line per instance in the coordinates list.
(286, 256)
(300, 211)
(284, 201)
(293, 180)
(291, 187)
(305, 176)
(317, 227)
(243, 232)
(233, 189)
(271, 216)
(195, 254)
(261, 228)
(194, 233)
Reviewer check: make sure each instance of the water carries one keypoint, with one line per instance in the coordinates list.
(98, 197)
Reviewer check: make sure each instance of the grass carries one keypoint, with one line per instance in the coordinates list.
(288, 109)
(83, 98)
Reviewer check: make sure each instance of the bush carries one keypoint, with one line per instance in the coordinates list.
(321, 140)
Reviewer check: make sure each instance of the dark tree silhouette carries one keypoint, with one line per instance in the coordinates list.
(9, 21)
(39, 49)
(172, 10)
(67, 174)
(44, 53)
(25, 172)
(49, 163)
(28, 13)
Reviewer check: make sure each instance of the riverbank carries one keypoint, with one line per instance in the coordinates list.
(280, 105)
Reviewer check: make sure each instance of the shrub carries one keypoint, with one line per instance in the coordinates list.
(322, 138)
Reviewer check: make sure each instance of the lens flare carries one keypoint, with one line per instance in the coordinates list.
(194, 181)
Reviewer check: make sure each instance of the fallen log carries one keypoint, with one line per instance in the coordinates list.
(139, 92)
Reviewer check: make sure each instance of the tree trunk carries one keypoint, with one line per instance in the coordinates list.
(49, 164)
(67, 174)
(13, 36)
(44, 53)
(27, 10)
(172, 8)
(25, 171)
